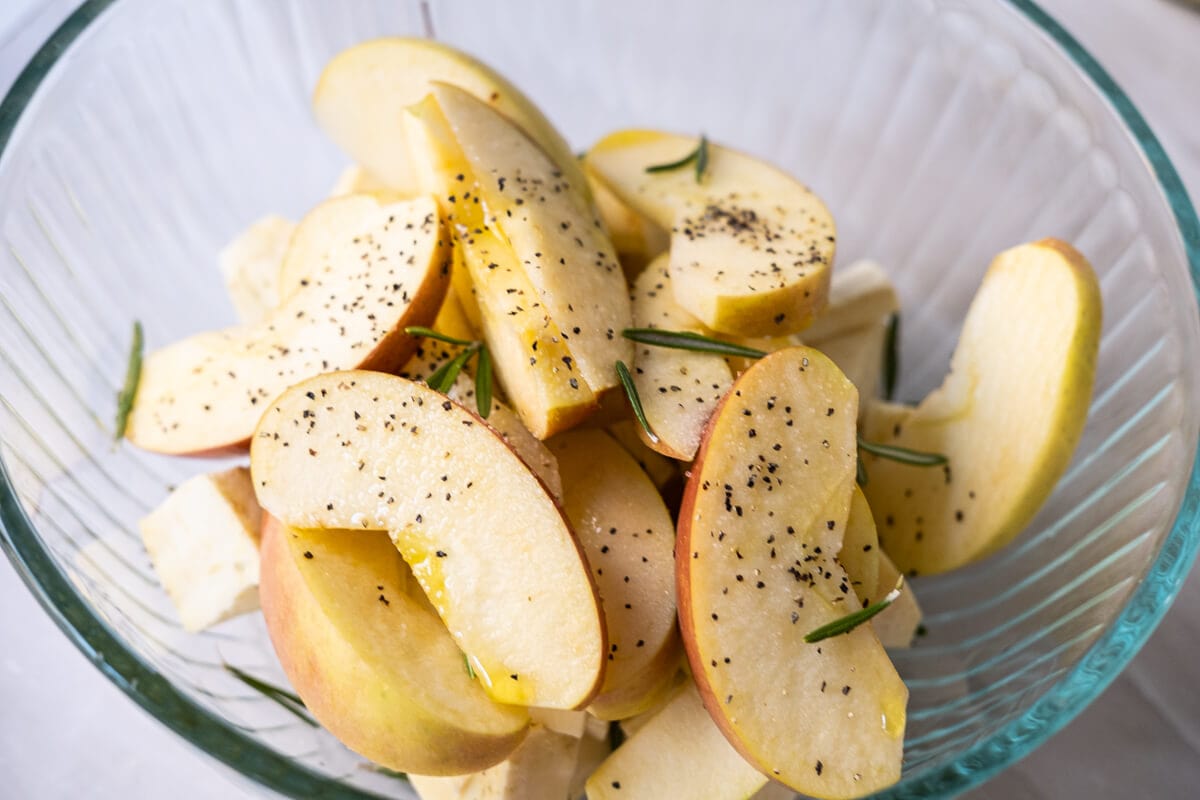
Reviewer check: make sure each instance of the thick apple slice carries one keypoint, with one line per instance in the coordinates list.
(628, 537)
(636, 238)
(485, 540)
(361, 97)
(677, 753)
(751, 248)
(1008, 415)
(763, 515)
(386, 267)
(373, 666)
(860, 294)
(679, 389)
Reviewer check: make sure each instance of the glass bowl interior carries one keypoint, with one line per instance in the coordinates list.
(146, 134)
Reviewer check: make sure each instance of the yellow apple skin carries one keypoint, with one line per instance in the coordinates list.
(374, 667)
(1008, 416)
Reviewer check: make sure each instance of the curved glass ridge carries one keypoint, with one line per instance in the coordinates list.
(953, 749)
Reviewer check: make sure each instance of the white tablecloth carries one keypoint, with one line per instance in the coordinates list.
(66, 732)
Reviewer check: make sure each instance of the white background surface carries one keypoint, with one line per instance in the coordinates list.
(66, 732)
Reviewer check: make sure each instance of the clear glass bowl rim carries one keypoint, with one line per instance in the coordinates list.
(209, 732)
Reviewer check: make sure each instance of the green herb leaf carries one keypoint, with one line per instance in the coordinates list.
(891, 357)
(686, 340)
(861, 477)
(284, 698)
(133, 376)
(467, 664)
(914, 458)
(851, 621)
(443, 379)
(391, 773)
(430, 333)
(699, 156)
(483, 382)
(616, 735)
(634, 400)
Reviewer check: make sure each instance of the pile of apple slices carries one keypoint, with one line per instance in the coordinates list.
(682, 512)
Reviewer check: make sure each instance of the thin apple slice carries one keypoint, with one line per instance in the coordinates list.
(677, 753)
(763, 515)
(629, 538)
(386, 268)
(679, 389)
(373, 666)
(1008, 415)
(859, 294)
(859, 555)
(362, 94)
(662, 471)
(897, 624)
(250, 266)
(485, 540)
(751, 248)
(859, 354)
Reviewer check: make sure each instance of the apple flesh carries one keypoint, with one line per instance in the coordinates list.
(763, 517)
(250, 266)
(897, 624)
(859, 555)
(663, 471)
(540, 769)
(206, 393)
(486, 541)
(860, 294)
(374, 667)
(636, 238)
(1008, 415)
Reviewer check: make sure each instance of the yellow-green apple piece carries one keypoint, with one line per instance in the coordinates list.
(677, 753)
(763, 515)
(206, 393)
(897, 624)
(203, 543)
(1008, 415)
(661, 469)
(628, 537)
(554, 234)
(859, 354)
(372, 665)
(484, 538)
(751, 248)
(679, 389)
(860, 294)
(362, 94)
(859, 555)
(882, 420)
(452, 318)
(250, 266)
(635, 237)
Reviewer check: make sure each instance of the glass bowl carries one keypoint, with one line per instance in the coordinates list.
(146, 133)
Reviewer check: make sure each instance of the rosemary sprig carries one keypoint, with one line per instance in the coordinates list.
(133, 376)
(634, 400)
(861, 477)
(851, 621)
(443, 378)
(284, 698)
(699, 156)
(467, 664)
(483, 383)
(390, 773)
(686, 340)
(914, 458)
(891, 357)
(430, 333)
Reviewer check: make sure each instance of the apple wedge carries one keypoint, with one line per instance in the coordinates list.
(636, 239)
(484, 538)
(860, 294)
(763, 515)
(859, 353)
(751, 248)
(362, 94)
(662, 471)
(250, 266)
(679, 389)
(1008, 415)
(628, 537)
(373, 666)
(677, 753)
(347, 306)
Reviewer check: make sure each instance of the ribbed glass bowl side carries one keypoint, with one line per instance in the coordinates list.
(146, 134)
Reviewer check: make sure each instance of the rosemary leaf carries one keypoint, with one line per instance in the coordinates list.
(430, 333)
(390, 773)
(699, 156)
(483, 382)
(891, 357)
(914, 458)
(285, 699)
(634, 400)
(467, 664)
(686, 340)
(443, 379)
(133, 375)
(851, 621)
(861, 477)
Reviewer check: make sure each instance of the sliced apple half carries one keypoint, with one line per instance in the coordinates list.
(764, 513)
(373, 666)
(629, 538)
(1008, 415)
(362, 94)
(679, 389)
(385, 267)
(751, 248)
(484, 538)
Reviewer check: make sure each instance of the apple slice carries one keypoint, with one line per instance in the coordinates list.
(250, 266)
(662, 471)
(628, 537)
(679, 389)
(751, 248)
(356, 179)
(677, 753)
(345, 309)
(897, 624)
(485, 540)
(373, 666)
(1008, 415)
(763, 515)
(859, 354)
(882, 421)
(859, 555)
(636, 239)
(362, 94)
(860, 294)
